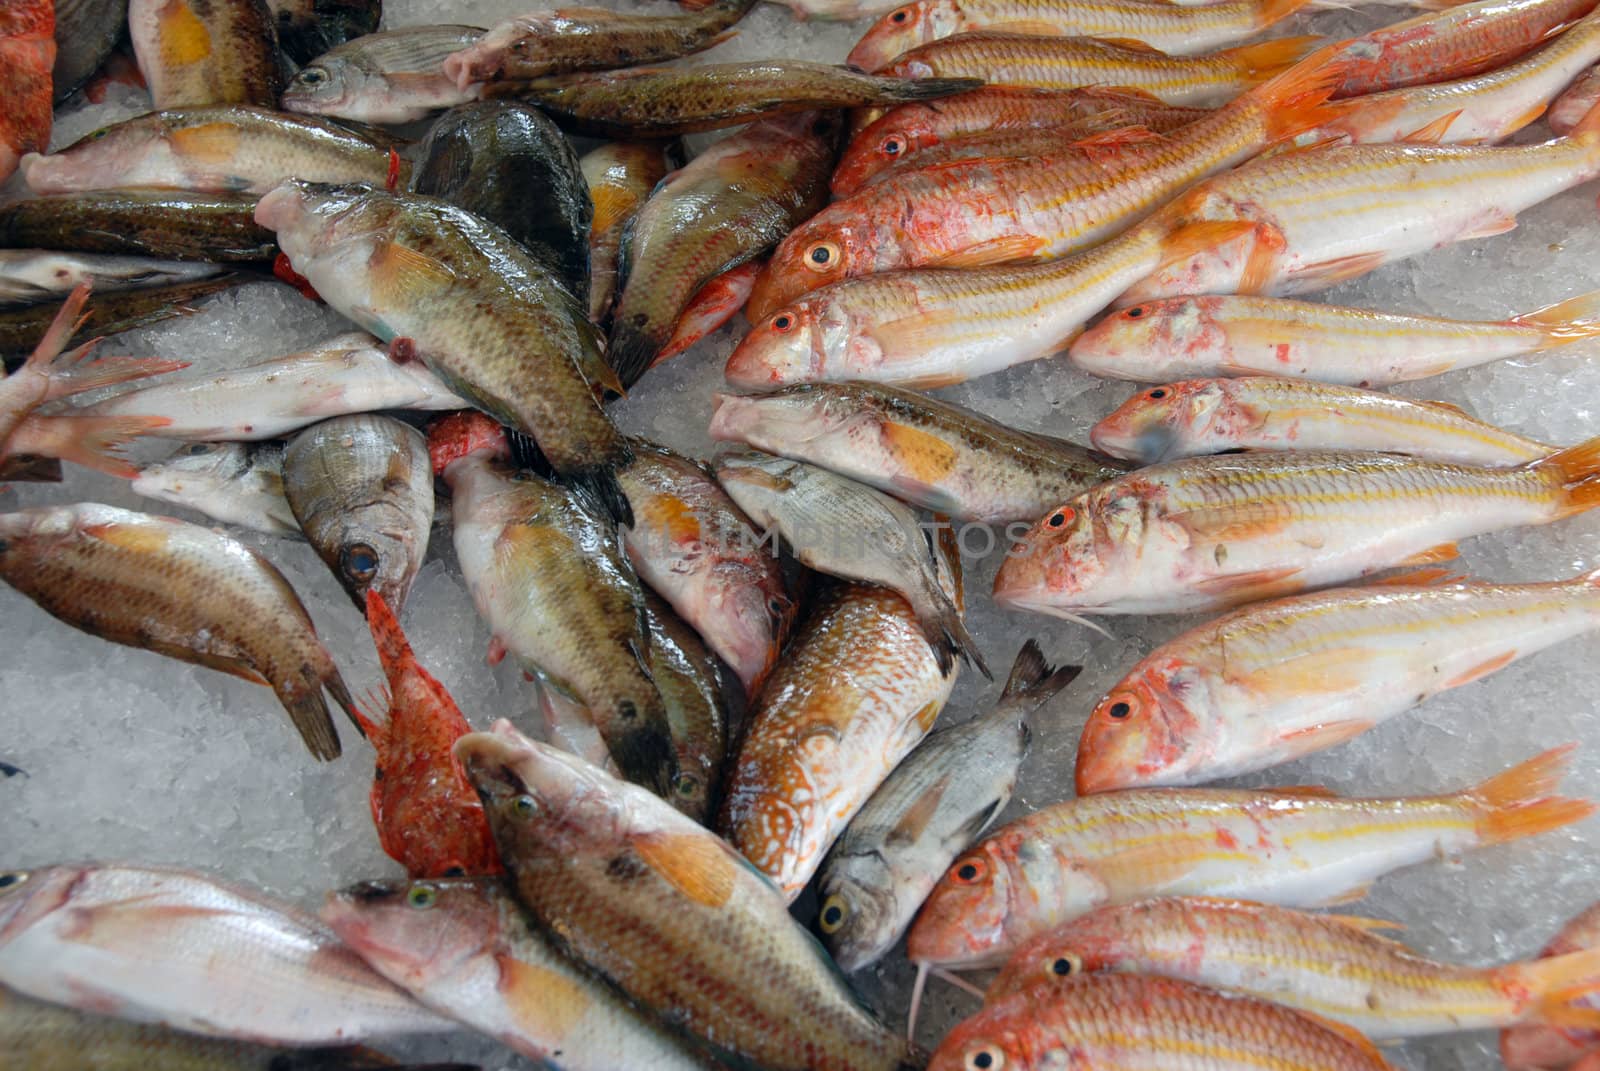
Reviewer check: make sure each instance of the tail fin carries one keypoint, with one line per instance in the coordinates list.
(905, 90)
(107, 371)
(1518, 803)
(1566, 321)
(1276, 11)
(1553, 984)
(95, 442)
(1297, 100)
(1578, 468)
(634, 348)
(69, 318)
(1260, 61)
(1034, 681)
(301, 696)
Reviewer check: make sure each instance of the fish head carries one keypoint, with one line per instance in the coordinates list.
(326, 87)
(964, 921)
(1000, 1037)
(1097, 941)
(861, 917)
(1055, 561)
(794, 415)
(828, 248)
(1180, 330)
(416, 932)
(310, 218)
(900, 134)
(194, 471)
(26, 896)
(1156, 424)
(900, 31)
(29, 534)
(754, 479)
(381, 559)
(790, 346)
(1146, 731)
(116, 155)
(755, 616)
(467, 433)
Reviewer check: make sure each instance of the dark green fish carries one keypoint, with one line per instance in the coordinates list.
(686, 676)
(308, 28)
(157, 223)
(86, 33)
(22, 328)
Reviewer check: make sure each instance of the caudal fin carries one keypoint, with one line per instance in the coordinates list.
(1578, 469)
(1298, 99)
(1518, 803)
(1034, 681)
(95, 442)
(1263, 60)
(1554, 984)
(1272, 11)
(301, 695)
(905, 90)
(1566, 321)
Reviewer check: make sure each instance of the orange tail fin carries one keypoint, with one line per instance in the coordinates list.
(1588, 128)
(1517, 803)
(1578, 468)
(1297, 100)
(95, 442)
(1258, 62)
(1566, 321)
(1276, 11)
(1552, 985)
(64, 326)
(107, 371)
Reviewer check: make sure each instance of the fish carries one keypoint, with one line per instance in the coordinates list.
(311, 28)
(1009, 144)
(30, 276)
(989, 211)
(729, 205)
(685, 673)
(548, 576)
(154, 223)
(179, 948)
(1119, 1020)
(177, 589)
(1175, 30)
(1195, 417)
(22, 329)
(1015, 59)
(93, 442)
(1531, 1047)
(1326, 215)
(198, 52)
(858, 689)
(930, 809)
(713, 305)
(620, 176)
(924, 451)
(657, 102)
(466, 948)
(361, 488)
(591, 39)
(905, 131)
(633, 888)
(86, 33)
(235, 483)
(698, 550)
(846, 529)
(1242, 335)
(428, 817)
(425, 269)
(1336, 967)
(391, 77)
(1297, 847)
(27, 53)
(504, 162)
(1576, 101)
(1208, 533)
(226, 149)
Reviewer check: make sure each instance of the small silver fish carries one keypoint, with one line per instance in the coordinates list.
(235, 483)
(30, 276)
(396, 76)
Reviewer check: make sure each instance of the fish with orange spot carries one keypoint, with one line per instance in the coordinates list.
(620, 176)
(1540, 1046)
(196, 52)
(27, 51)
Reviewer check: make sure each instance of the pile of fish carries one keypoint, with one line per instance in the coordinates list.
(735, 664)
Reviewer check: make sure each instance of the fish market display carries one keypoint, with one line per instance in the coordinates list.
(28, 276)
(1334, 966)
(620, 176)
(391, 77)
(1176, 338)
(311, 28)
(1213, 416)
(154, 223)
(936, 803)
(27, 52)
(1543, 1046)
(1576, 102)
(198, 52)
(686, 675)
(924, 451)
(635, 888)
(1297, 848)
(235, 483)
(86, 33)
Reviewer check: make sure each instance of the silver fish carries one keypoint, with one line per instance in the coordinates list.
(28, 276)
(235, 483)
(396, 76)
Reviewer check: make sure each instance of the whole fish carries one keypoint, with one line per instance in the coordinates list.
(29, 276)
(198, 52)
(228, 149)
(1213, 416)
(846, 529)
(1578, 100)
(428, 817)
(21, 329)
(633, 888)
(1175, 30)
(27, 52)
(504, 162)
(1295, 847)
(1536, 1047)
(311, 28)
(1332, 966)
(467, 949)
(712, 306)
(697, 549)
(155, 223)
(1211, 532)
(590, 39)
(1118, 1020)
(860, 687)
(549, 578)
(86, 33)
(348, 373)
(1005, 144)
(729, 205)
(1326, 215)
(654, 102)
(620, 176)
(1175, 338)
(686, 675)
(390, 77)
(935, 804)
(361, 489)
(905, 131)
(235, 483)
(988, 211)
(924, 451)
(425, 271)
(179, 948)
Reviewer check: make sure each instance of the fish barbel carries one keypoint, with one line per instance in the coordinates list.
(198, 52)
(620, 176)
(1296, 847)
(1531, 1047)
(1577, 101)
(390, 77)
(235, 483)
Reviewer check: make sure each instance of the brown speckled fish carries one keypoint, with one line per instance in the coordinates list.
(691, 689)
(620, 176)
(194, 52)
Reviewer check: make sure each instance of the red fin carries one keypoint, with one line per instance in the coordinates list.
(1365, 924)
(497, 651)
(1192, 239)
(1341, 269)
(1495, 221)
(1261, 61)
(1349, 896)
(1444, 552)
(994, 251)
(1322, 737)
(95, 442)
(1432, 133)
(1252, 587)
(1517, 803)
(1566, 321)
(1579, 469)
(1483, 669)
(1419, 578)
(1133, 44)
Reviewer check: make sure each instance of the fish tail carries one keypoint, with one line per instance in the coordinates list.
(1566, 321)
(947, 633)
(1272, 11)
(598, 484)
(95, 442)
(1258, 62)
(106, 371)
(906, 90)
(633, 348)
(302, 698)
(1298, 99)
(68, 319)
(1033, 679)
(1517, 803)
(1553, 985)
(1588, 128)
(1578, 469)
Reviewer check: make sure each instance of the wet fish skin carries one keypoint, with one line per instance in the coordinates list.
(935, 804)
(923, 451)
(232, 482)
(504, 162)
(223, 149)
(1578, 100)
(86, 33)
(389, 77)
(686, 675)
(1532, 1048)
(111, 313)
(620, 176)
(29, 276)
(198, 52)
(633, 887)
(155, 223)
(27, 52)
(179, 948)
(311, 28)
(178, 589)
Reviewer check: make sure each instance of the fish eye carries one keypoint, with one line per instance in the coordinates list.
(1064, 966)
(455, 870)
(525, 806)
(1060, 517)
(971, 871)
(312, 76)
(1135, 312)
(822, 256)
(776, 606)
(1120, 709)
(1157, 394)
(985, 1057)
(421, 897)
(359, 562)
(686, 784)
(834, 910)
(782, 322)
(892, 145)
(12, 878)
(900, 16)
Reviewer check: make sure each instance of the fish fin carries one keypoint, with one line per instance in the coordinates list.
(66, 322)
(1261, 61)
(1350, 1034)
(214, 144)
(1495, 221)
(1517, 803)
(1305, 792)
(1566, 321)
(95, 442)
(1481, 670)
(407, 273)
(1444, 552)
(1553, 984)
(301, 696)
(1272, 11)
(1029, 27)
(1349, 896)
(995, 251)
(1421, 578)
(598, 371)
(1146, 868)
(1322, 737)
(497, 651)
(185, 38)
(1192, 239)
(1340, 269)
(696, 865)
(1431, 133)
(1326, 670)
(135, 539)
(1244, 521)
(1366, 924)
(1449, 407)
(911, 826)
(1579, 469)
(545, 1004)
(1252, 587)
(928, 715)
(105, 372)
(1297, 100)
(1035, 680)
(927, 457)
(906, 90)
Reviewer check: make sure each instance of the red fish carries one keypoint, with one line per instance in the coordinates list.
(427, 813)
(27, 52)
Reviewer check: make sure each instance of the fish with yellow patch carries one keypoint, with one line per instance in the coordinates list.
(194, 52)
